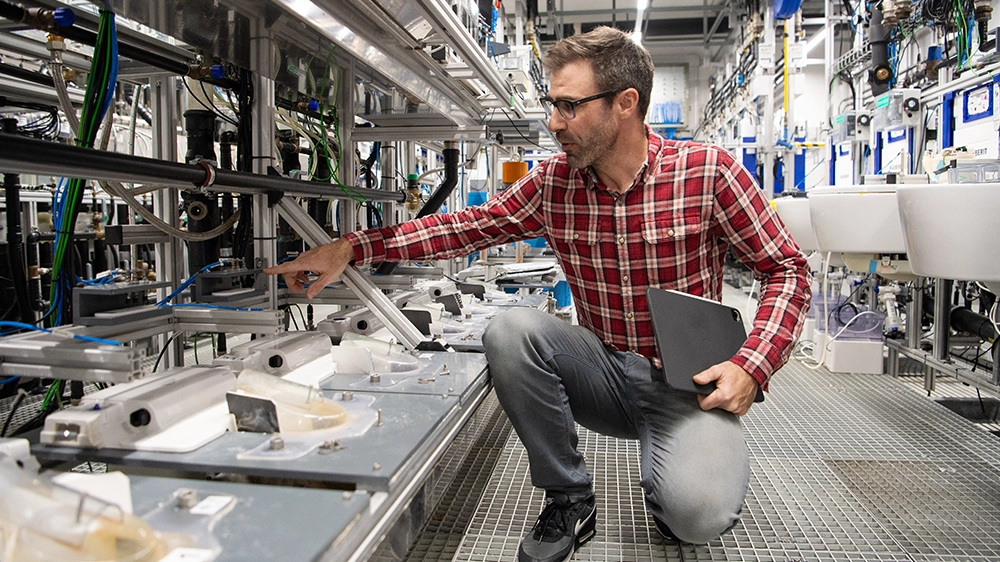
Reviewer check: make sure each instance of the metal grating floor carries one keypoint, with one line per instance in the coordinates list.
(844, 467)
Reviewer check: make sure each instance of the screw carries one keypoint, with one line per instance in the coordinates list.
(376, 467)
(451, 390)
(347, 495)
(328, 447)
(277, 443)
(380, 417)
(444, 370)
(375, 377)
(187, 499)
(347, 396)
(445, 396)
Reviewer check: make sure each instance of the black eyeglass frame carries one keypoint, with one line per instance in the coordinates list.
(573, 103)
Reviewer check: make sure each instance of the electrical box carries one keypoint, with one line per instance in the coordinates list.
(844, 127)
(975, 118)
(897, 109)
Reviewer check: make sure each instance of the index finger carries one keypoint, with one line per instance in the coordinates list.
(286, 267)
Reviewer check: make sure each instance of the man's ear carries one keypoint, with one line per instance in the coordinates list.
(628, 101)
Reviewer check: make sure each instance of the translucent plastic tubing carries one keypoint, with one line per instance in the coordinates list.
(300, 407)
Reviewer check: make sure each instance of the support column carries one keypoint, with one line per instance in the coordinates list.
(169, 255)
(346, 174)
(264, 217)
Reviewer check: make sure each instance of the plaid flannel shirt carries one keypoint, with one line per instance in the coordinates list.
(689, 203)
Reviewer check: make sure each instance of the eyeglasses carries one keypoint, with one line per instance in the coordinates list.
(567, 108)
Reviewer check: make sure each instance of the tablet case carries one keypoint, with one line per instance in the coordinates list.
(692, 334)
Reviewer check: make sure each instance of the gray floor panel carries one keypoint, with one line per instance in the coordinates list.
(844, 467)
(883, 420)
(939, 508)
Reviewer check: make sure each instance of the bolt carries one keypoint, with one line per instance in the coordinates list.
(375, 377)
(451, 390)
(468, 315)
(347, 396)
(445, 396)
(187, 499)
(376, 467)
(444, 370)
(277, 443)
(380, 417)
(347, 495)
(328, 447)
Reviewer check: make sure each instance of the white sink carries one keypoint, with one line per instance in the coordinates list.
(951, 230)
(794, 212)
(856, 219)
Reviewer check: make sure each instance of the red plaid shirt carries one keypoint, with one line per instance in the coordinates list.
(688, 204)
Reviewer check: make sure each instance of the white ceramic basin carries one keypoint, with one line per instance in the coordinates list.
(859, 219)
(951, 230)
(794, 212)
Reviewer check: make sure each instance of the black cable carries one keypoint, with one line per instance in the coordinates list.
(507, 115)
(21, 395)
(163, 351)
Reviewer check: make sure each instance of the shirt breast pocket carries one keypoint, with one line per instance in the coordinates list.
(675, 227)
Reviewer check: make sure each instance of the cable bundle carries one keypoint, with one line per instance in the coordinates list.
(100, 92)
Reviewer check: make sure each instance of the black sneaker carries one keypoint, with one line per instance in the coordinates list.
(664, 530)
(559, 531)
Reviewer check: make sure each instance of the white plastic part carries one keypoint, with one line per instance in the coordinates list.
(42, 521)
(121, 416)
(951, 230)
(299, 407)
(856, 219)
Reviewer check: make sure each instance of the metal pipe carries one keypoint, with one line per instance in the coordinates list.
(439, 196)
(942, 320)
(33, 156)
(914, 318)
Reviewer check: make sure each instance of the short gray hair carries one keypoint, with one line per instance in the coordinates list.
(617, 60)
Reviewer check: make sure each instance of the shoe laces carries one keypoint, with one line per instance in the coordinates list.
(554, 521)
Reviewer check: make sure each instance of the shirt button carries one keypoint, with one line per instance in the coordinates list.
(670, 232)
(576, 236)
(621, 239)
(628, 315)
(625, 278)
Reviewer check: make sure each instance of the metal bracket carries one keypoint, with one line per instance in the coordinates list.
(376, 301)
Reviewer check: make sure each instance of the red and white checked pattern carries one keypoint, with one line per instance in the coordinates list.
(671, 230)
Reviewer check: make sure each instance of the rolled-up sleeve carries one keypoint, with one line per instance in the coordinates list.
(762, 242)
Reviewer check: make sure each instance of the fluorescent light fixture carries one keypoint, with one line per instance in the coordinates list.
(640, 7)
(816, 40)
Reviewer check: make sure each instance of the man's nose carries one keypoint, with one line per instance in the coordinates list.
(556, 121)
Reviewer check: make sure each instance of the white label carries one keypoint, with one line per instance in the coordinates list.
(211, 505)
(189, 555)
(766, 54)
(797, 52)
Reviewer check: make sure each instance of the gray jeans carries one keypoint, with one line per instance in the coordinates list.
(549, 374)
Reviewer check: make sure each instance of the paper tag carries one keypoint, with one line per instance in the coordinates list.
(189, 554)
(211, 505)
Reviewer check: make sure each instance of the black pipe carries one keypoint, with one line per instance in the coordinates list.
(27, 75)
(437, 199)
(966, 320)
(15, 245)
(881, 73)
(27, 155)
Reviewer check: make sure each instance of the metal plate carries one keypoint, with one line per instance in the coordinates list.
(467, 373)
(267, 522)
(412, 424)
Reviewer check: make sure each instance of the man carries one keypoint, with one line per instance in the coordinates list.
(624, 210)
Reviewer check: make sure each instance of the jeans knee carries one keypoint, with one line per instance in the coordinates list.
(697, 520)
(510, 331)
